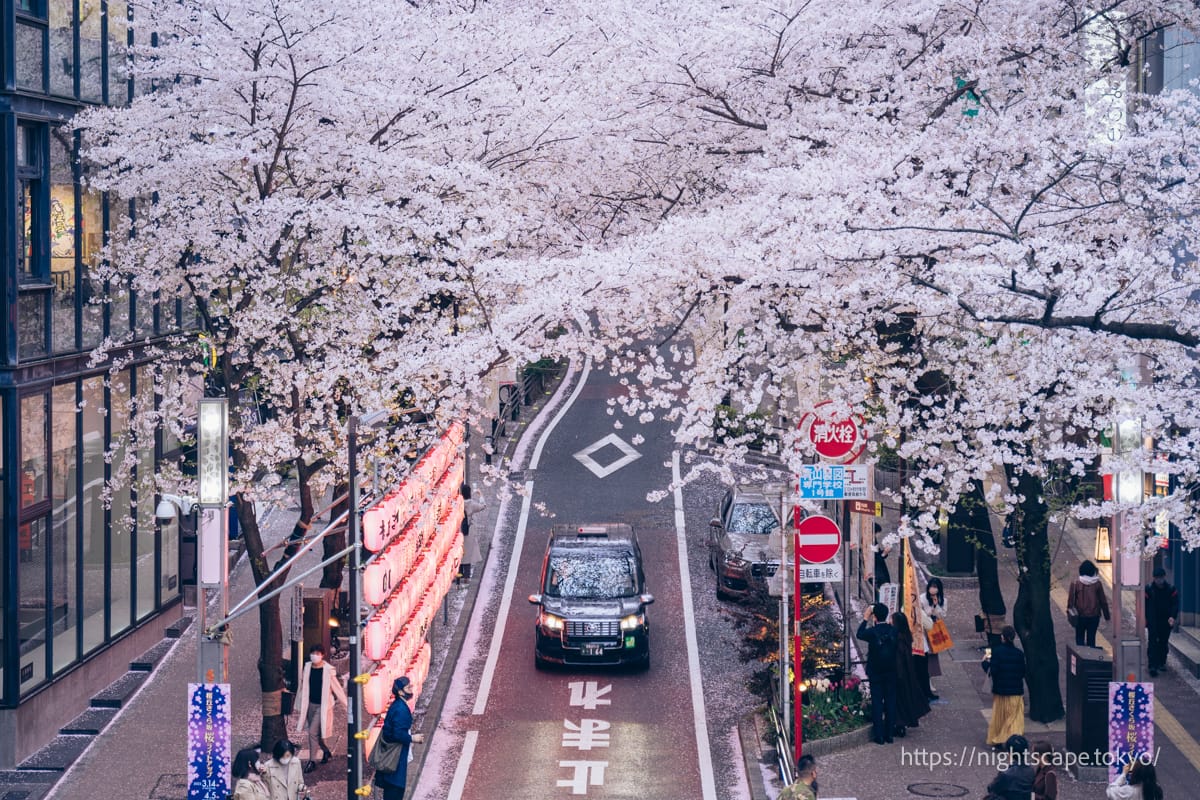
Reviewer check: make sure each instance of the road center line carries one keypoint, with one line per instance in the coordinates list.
(699, 718)
(464, 766)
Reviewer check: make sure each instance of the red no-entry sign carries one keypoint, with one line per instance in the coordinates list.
(818, 539)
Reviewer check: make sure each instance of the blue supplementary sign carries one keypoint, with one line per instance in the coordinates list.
(833, 481)
(208, 741)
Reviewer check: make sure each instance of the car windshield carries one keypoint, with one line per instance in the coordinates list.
(591, 576)
(751, 518)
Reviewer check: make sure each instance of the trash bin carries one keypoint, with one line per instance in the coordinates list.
(1089, 671)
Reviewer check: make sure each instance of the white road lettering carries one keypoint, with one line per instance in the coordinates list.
(587, 773)
(587, 734)
(589, 694)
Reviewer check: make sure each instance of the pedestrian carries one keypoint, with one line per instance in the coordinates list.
(397, 727)
(911, 702)
(248, 784)
(1086, 601)
(933, 607)
(1015, 779)
(471, 554)
(1162, 609)
(1138, 781)
(881, 670)
(1045, 778)
(805, 785)
(1006, 666)
(282, 772)
(319, 688)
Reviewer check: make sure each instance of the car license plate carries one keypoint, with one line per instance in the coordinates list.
(592, 649)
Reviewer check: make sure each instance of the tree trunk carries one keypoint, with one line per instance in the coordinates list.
(331, 577)
(1032, 615)
(971, 520)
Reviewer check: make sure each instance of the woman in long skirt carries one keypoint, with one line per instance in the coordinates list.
(1006, 666)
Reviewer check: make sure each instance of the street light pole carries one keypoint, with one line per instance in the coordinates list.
(353, 687)
(212, 468)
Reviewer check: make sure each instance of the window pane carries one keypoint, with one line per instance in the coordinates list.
(120, 576)
(91, 78)
(29, 55)
(33, 449)
(63, 517)
(146, 573)
(1181, 58)
(31, 324)
(118, 51)
(93, 513)
(91, 238)
(31, 615)
(62, 240)
(27, 271)
(118, 296)
(62, 48)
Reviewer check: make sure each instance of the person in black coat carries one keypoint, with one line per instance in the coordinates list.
(911, 701)
(1162, 609)
(1015, 781)
(881, 670)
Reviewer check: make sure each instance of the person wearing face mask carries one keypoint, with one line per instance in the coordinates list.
(397, 727)
(248, 784)
(282, 773)
(1162, 609)
(319, 688)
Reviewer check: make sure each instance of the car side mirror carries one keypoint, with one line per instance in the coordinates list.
(715, 522)
(536, 599)
(647, 599)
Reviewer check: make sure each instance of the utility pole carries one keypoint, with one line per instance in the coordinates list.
(1127, 568)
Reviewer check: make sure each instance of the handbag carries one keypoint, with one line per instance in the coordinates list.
(1073, 617)
(939, 637)
(385, 755)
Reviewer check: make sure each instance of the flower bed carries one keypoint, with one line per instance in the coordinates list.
(831, 710)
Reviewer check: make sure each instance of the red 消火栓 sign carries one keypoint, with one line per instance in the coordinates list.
(834, 439)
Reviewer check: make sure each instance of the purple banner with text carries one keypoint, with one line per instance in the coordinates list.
(1130, 724)
(208, 741)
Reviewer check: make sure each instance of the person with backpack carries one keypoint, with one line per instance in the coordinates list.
(1086, 601)
(881, 670)
(1006, 666)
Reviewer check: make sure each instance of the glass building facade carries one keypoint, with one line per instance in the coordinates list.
(84, 566)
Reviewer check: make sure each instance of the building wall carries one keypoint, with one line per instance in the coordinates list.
(88, 576)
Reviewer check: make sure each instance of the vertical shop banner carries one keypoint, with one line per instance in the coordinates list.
(208, 741)
(912, 598)
(1130, 724)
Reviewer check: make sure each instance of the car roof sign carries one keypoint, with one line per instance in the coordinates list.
(592, 529)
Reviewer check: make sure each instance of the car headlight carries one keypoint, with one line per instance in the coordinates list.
(550, 622)
(633, 622)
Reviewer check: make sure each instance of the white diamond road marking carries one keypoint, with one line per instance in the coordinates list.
(584, 456)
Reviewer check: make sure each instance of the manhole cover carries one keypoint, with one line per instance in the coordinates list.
(938, 790)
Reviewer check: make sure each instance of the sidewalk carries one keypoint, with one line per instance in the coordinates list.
(140, 752)
(947, 756)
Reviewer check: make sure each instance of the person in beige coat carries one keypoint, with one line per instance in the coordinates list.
(281, 773)
(319, 688)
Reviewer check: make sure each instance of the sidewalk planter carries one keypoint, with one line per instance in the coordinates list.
(836, 744)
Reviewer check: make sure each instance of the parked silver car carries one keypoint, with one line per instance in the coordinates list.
(737, 543)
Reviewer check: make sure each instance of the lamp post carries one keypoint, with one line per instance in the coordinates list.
(354, 711)
(1126, 566)
(212, 469)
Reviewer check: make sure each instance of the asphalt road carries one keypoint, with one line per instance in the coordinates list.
(604, 733)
